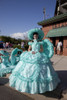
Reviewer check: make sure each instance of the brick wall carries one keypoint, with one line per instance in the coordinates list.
(46, 29)
(65, 46)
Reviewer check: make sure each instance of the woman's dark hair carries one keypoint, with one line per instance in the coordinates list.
(35, 33)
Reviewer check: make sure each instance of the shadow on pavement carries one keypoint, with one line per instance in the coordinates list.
(63, 77)
(3, 81)
(57, 93)
(61, 88)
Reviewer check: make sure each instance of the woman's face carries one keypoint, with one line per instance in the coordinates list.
(35, 36)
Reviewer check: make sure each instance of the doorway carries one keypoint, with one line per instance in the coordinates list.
(53, 41)
(61, 39)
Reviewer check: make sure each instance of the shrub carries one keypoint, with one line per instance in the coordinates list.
(26, 47)
(17, 46)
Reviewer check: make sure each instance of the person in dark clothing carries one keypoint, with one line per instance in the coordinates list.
(1, 45)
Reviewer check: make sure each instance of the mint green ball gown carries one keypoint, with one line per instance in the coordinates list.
(34, 72)
(7, 65)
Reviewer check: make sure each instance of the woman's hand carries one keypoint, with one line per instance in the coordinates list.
(33, 52)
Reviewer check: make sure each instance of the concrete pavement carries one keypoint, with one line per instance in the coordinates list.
(59, 62)
(7, 93)
(60, 65)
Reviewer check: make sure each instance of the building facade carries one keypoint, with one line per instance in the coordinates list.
(55, 29)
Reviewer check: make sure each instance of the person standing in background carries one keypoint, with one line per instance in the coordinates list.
(22, 45)
(59, 47)
(4, 45)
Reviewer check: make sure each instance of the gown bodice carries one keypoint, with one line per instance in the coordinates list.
(48, 48)
(36, 46)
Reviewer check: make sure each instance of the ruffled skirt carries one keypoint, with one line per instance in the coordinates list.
(34, 74)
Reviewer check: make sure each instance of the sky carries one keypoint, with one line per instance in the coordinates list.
(17, 17)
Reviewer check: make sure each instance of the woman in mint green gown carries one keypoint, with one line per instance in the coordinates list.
(6, 64)
(34, 72)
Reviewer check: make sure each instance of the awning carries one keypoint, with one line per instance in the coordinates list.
(57, 32)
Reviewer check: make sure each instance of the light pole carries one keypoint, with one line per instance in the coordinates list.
(59, 6)
(44, 12)
(0, 31)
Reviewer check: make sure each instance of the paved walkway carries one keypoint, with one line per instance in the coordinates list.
(59, 64)
(6, 93)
